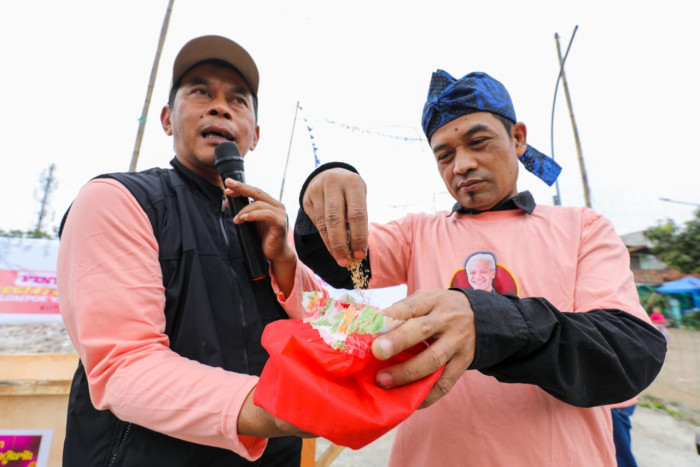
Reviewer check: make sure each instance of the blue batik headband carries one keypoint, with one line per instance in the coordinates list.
(450, 98)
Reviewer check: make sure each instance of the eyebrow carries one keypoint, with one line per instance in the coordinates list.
(471, 131)
(241, 90)
(197, 80)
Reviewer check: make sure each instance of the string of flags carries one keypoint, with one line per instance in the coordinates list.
(352, 128)
(317, 162)
(345, 126)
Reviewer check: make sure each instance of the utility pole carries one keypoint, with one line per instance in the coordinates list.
(149, 91)
(584, 177)
(49, 183)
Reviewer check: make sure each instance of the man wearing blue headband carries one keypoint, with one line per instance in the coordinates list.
(528, 371)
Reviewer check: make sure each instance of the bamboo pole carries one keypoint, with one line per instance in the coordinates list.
(329, 455)
(584, 177)
(289, 150)
(149, 90)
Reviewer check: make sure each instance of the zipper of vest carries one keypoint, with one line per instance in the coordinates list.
(127, 428)
(244, 333)
(221, 220)
(244, 323)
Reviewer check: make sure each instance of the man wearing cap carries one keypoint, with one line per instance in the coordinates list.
(548, 360)
(156, 298)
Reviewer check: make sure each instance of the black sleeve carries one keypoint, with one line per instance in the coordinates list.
(311, 249)
(313, 252)
(584, 359)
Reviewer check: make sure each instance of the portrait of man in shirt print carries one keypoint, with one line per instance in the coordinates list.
(480, 268)
(483, 272)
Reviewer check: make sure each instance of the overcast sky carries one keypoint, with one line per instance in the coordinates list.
(75, 75)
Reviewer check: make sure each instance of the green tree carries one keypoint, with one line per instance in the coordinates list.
(677, 246)
(36, 233)
(11, 233)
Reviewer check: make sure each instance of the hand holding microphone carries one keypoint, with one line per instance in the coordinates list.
(229, 164)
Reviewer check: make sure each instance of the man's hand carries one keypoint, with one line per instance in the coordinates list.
(271, 220)
(256, 421)
(333, 198)
(268, 213)
(443, 319)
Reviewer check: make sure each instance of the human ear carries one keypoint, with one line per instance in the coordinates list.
(519, 133)
(256, 137)
(166, 120)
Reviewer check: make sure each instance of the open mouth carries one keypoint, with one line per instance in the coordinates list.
(217, 134)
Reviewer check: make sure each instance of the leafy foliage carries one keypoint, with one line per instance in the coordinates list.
(691, 320)
(36, 233)
(678, 247)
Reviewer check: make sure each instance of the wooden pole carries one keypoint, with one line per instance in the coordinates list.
(289, 150)
(149, 91)
(329, 455)
(584, 177)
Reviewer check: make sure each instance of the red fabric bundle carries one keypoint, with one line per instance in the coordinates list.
(332, 393)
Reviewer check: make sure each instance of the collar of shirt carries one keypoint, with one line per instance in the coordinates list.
(212, 192)
(522, 200)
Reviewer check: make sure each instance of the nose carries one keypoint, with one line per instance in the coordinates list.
(219, 107)
(464, 161)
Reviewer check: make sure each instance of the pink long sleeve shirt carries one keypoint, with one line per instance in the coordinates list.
(112, 301)
(570, 256)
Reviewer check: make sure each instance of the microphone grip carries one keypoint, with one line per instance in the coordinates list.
(248, 235)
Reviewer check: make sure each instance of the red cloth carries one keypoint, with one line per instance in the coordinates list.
(330, 393)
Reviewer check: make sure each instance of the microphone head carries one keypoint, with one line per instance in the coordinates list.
(227, 155)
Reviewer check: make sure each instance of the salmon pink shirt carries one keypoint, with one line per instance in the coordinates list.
(112, 303)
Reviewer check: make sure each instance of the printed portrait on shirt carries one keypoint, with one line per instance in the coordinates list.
(482, 271)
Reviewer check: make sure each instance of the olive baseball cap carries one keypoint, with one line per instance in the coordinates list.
(221, 48)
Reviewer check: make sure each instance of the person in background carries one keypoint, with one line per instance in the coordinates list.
(526, 379)
(156, 298)
(659, 320)
(622, 426)
(622, 413)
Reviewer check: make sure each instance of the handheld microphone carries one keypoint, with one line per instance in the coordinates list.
(229, 164)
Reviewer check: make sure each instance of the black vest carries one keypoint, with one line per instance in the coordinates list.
(214, 314)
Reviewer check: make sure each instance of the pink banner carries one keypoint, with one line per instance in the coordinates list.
(23, 292)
